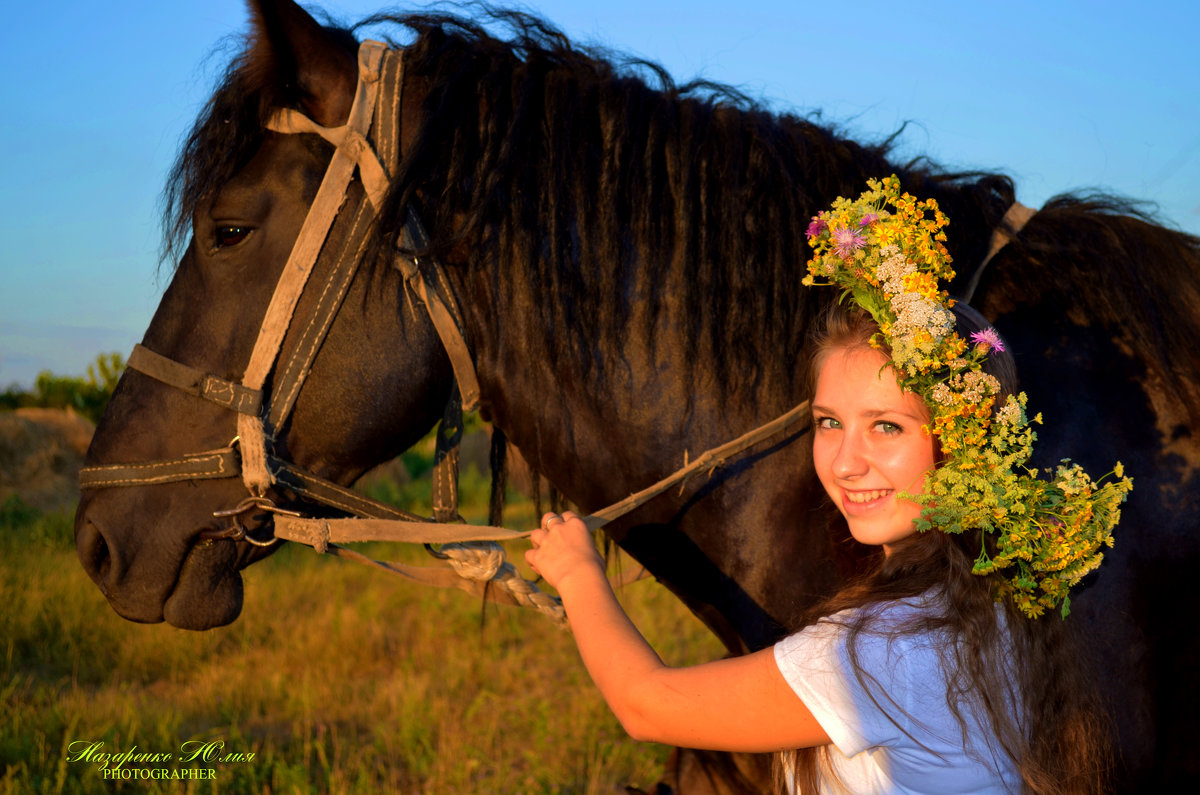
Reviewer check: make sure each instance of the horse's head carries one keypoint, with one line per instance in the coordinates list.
(376, 376)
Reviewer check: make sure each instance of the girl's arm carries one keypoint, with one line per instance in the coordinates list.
(735, 704)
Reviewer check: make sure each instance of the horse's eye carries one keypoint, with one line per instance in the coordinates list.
(232, 235)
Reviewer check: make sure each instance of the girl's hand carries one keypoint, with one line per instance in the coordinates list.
(562, 546)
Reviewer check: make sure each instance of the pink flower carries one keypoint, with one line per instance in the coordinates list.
(988, 339)
(846, 242)
(868, 219)
(816, 227)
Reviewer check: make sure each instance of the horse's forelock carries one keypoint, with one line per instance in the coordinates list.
(229, 129)
(224, 137)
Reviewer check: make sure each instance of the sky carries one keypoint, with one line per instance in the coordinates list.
(96, 96)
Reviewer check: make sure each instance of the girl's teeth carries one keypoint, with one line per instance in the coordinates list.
(864, 496)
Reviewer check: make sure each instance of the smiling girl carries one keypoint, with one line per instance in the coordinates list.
(938, 671)
(870, 444)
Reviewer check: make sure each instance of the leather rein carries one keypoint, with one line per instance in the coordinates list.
(477, 562)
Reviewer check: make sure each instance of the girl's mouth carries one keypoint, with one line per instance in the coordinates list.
(865, 497)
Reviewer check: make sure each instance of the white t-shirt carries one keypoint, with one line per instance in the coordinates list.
(923, 750)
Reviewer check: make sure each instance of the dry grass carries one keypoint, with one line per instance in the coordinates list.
(337, 678)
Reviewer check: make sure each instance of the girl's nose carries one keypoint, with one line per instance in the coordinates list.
(850, 460)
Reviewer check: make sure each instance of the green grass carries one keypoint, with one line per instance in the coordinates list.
(337, 678)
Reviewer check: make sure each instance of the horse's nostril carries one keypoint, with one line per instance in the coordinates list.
(94, 554)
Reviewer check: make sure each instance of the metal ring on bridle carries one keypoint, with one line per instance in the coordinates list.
(238, 531)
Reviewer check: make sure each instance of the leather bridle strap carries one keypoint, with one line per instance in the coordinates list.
(324, 531)
(251, 431)
(196, 382)
(439, 301)
(221, 463)
(325, 492)
(1006, 231)
(346, 139)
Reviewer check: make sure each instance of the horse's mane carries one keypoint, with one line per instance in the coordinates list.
(595, 177)
(599, 178)
(1108, 265)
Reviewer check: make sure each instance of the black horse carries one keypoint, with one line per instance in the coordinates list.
(627, 260)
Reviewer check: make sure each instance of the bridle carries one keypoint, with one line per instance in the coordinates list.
(249, 455)
(374, 117)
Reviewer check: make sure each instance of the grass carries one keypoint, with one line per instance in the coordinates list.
(337, 679)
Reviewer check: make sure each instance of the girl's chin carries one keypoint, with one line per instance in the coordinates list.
(880, 534)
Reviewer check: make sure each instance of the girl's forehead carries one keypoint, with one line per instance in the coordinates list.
(858, 379)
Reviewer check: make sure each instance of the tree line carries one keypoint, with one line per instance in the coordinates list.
(88, 395)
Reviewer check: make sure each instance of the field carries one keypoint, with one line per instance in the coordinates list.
(337, 678)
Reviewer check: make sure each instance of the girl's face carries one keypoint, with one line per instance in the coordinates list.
(869, 444)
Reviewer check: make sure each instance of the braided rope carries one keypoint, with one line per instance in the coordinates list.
(484, 561)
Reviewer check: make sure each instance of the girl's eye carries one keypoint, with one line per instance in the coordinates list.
(889, 428)
(828, 423)
(232, 235)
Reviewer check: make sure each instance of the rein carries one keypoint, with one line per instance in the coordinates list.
(476, 561)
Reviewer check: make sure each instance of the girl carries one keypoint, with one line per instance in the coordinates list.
(936, 672)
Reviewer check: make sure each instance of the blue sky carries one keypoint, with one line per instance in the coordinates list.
(1060, 95)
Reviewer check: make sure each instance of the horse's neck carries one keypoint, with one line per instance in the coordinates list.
(601, 435)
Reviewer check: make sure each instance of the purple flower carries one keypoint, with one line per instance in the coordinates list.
(988, 339)
(846, 242)
(816, 227)
(868, 219)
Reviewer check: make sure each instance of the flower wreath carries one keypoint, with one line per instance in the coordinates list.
(885, 250)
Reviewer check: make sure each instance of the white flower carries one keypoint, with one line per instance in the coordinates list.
(1010, 413)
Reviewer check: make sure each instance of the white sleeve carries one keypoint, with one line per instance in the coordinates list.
(897, 712)
(855, 714)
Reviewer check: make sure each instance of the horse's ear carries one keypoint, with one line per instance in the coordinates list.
(311, 64)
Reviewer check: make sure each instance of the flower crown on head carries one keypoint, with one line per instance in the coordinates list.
(885, 250)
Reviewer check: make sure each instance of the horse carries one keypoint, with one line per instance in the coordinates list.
(623, 258)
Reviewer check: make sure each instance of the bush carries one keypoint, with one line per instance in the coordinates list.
(89, 395)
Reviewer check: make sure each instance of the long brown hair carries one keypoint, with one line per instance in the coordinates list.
(1057, 739)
